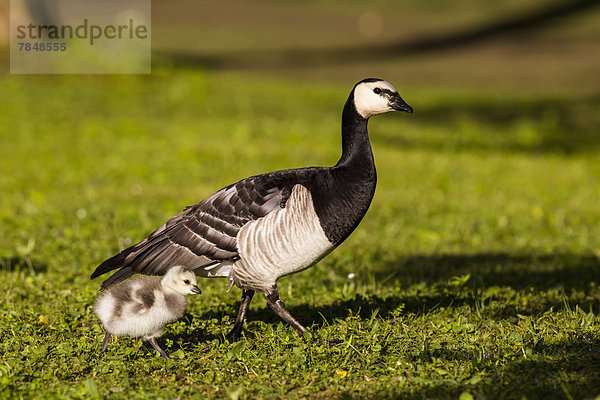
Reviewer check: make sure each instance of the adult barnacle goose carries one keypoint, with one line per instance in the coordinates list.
(140, 307)
(267, 226)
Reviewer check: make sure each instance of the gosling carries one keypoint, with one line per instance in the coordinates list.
(141, 307)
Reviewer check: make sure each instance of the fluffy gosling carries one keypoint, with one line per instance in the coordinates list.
(142, 306)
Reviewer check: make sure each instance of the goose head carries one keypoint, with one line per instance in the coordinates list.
(181, 280)
(375, 96)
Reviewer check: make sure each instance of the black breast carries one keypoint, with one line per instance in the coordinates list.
(341, 197)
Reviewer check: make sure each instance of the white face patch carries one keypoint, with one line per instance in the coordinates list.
(369, 103)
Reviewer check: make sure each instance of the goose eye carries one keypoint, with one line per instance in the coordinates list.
(376, 90)
(187, 281)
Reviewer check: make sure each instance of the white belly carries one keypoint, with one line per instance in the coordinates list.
(285, 241)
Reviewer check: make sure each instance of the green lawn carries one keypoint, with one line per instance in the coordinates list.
(476, 269)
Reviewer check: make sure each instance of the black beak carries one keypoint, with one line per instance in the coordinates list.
(398, 104)
(196, 290)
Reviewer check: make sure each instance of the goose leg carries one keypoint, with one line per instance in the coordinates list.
(278, 306)
(105, 342)
(235, 332)
(157, 348)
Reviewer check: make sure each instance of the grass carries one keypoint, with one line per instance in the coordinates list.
(475, 271)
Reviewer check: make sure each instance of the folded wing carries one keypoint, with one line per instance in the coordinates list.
(203, 234)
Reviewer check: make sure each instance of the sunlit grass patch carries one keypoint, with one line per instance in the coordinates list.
(476, 269)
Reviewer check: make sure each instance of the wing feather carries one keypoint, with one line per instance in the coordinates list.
(202, 235)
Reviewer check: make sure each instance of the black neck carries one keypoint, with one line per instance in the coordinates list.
(343, 195)
(357, 155)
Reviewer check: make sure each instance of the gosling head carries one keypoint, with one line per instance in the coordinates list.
(375, 96)
(181, 280)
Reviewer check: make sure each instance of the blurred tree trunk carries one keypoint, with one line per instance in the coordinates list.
(42, 12)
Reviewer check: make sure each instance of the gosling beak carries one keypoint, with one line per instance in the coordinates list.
(396, 103)
(196, 289)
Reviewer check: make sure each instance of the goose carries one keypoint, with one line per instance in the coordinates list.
(142, 306)
(267, 226)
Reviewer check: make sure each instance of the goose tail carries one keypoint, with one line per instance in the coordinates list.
(110, 264)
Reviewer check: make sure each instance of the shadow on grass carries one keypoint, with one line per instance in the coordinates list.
(21, 263)
(558, 125)
(539, 271)
(563, 272)
(548, 372)
(189, 339)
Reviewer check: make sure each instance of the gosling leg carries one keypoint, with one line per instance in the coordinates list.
(157, 348)
(105, 343)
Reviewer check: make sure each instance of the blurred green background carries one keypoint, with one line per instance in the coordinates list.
(503, 45)
(475, 271)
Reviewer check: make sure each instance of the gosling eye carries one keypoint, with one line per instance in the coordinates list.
(187, 281)
(376, 90)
